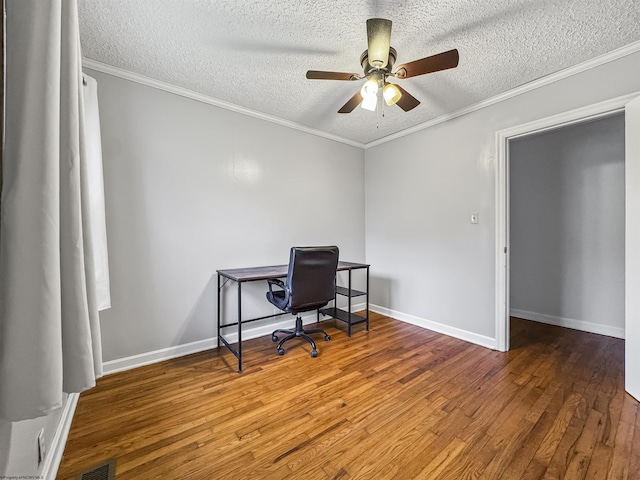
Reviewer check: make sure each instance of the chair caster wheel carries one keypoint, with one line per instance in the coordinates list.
(327, 338)
(314, 353)
(281, 351)
(274, 338)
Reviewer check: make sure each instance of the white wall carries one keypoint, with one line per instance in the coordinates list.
(191, 188)
(567, 226)
(19, 447)
(429, 264)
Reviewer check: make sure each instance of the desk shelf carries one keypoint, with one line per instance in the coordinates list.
(349, 293)
(339, 314)
(348, 316)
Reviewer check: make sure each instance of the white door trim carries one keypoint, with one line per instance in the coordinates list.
(591, 112)
(632, 251)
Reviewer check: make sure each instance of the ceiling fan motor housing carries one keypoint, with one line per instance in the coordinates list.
(364, 61)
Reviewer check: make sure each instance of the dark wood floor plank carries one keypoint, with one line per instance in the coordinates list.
(600, 462)
(623, 444)
(395, 402)
(634, 460)
(585, 446)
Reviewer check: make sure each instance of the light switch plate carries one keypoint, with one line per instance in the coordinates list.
(474, 218)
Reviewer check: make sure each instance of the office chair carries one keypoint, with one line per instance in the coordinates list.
(310, 285)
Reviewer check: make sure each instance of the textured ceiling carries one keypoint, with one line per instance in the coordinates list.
(255, 53)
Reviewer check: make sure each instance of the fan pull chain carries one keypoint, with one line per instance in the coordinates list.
(379, 109)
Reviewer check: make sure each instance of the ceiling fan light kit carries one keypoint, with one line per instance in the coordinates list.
(370, 103)
(377, 64)
(391, 94)
(370, 88)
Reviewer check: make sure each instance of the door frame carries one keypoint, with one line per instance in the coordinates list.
(502, 253)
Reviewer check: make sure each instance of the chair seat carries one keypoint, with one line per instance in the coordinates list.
(279, 299)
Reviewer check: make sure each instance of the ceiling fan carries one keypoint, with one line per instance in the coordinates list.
(377, 63)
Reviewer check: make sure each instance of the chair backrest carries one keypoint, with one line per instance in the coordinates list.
(311, 277)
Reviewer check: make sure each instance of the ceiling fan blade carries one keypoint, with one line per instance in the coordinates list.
(320, 75)
(434, 63)
(352, 103)
(407, 101)
(378, 41)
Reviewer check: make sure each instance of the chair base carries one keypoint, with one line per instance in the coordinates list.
(299, 332)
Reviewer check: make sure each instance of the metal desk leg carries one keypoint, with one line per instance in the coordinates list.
(239, 327)
(349, 321)
(367, 299)
(218, 311)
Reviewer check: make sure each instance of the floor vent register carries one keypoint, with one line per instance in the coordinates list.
(103, 471)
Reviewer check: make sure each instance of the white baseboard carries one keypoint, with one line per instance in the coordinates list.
(52, 460)
(139, 360)
(147, 358)
(590, 327)
(465, 335)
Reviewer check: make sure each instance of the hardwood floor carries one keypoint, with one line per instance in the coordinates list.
(398, 402)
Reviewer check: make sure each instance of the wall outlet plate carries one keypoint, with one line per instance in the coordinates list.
(41, 447)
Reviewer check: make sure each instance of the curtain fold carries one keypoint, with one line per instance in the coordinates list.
(49, 325)
(94, 189)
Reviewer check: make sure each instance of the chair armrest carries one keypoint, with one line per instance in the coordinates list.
(275, 281)
(281, 284)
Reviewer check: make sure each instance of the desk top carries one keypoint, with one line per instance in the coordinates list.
(274, 271)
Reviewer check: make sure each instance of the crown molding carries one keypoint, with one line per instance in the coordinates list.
(527, 87)
(184, 92)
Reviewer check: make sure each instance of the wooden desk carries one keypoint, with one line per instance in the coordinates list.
(252, 274)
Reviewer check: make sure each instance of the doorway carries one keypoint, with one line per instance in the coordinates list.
(503, 138)
(566, 226)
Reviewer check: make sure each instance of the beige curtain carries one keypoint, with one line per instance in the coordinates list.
(49, 325)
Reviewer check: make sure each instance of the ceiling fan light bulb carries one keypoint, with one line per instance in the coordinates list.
(370, 103)
(370, 88)
(391, 93)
